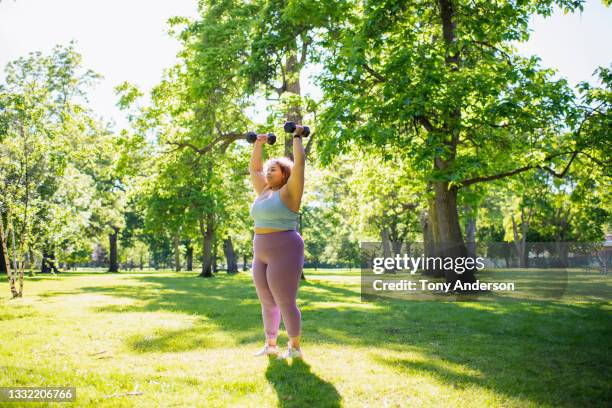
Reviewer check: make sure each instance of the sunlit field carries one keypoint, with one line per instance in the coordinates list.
(172, 339)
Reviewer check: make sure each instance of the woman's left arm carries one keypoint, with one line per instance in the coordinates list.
(295, 183)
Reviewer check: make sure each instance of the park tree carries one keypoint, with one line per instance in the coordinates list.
(284, 37)
(100, 160)
(441, 84)
(526, 194)
(315, 233)
(386, 201)
(198, 178)
(262, 47)
(572, 213)
(45, 123)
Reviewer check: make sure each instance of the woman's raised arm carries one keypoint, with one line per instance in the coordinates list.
(256, 167)
(295, 183)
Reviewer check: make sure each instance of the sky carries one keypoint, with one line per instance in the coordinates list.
(127, 40)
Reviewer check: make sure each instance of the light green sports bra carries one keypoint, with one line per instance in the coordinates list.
(271, 212)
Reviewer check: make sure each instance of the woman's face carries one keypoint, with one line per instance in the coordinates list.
(274, 175)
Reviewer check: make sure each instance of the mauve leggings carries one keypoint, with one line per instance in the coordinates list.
(278, 259)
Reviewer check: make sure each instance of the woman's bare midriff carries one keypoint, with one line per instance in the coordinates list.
(264, 230)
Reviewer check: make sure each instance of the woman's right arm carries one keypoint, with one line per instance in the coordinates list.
(256, 167)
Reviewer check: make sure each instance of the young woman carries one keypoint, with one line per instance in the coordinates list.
(278, 249)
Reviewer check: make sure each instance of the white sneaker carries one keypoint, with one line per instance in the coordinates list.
(266, 350)
(291, 352)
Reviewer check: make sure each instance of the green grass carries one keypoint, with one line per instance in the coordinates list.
(187, 341)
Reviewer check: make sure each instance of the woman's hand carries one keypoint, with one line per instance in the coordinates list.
(299, 130)
(261, 140)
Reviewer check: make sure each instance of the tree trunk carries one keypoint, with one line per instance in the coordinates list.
(517, 242)
(32, 260)
(206, 231)
(292, 70)
(6, 260)
(563, 223)
(230, 256)
(561, 249)
(450, 241)
(386, 245)
(215, 266)
(470, 231)
(113, 266)
(3, 269)
(429, 242)
(44, 265)
(300, 223)
(177, 253)
(189, 257)
(396, 237)
(28, 262)
(48, 262)
(521, 243)
(446, 222)
(244, 262)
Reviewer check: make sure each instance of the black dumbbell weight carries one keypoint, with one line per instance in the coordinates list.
(291, 126)
(252, 137)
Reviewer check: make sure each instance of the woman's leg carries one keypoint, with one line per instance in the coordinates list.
(283, 273)
(270, 311)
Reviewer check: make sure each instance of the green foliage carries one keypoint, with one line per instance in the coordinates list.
(50, 145)
(395, 81)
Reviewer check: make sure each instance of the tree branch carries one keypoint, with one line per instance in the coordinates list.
(597, 161)
(308, 145)
(574, 153)
(425, 122)
(305, 42)
(502, 52)
(226, 138)
(375, 74)
(562, 174)
(283, 87)
(521, 170)
(182, 145)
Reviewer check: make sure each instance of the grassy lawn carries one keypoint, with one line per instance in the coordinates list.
(180, 340)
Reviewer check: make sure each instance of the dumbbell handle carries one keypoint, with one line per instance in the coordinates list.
(252, 137)
(291, 126)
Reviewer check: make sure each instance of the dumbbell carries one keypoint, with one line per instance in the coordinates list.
(291, 126)
(252, 137)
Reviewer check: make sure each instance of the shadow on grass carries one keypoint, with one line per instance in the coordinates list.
(531, 350)
(175, 341)
(296, 386)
